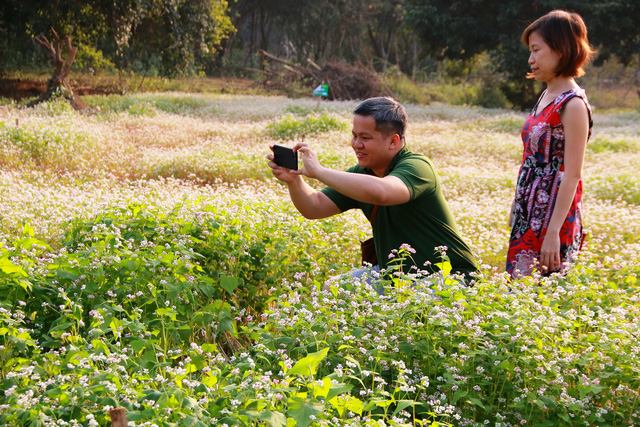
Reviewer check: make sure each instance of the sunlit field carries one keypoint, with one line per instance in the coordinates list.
(148, 260)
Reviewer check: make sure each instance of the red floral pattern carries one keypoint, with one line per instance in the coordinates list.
(538, 182)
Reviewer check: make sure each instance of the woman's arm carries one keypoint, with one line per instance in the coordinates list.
(575, 119)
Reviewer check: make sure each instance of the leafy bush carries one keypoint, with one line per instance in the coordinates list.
(291, 127)
(490, 96)
(500, 352)
(406, 90)
(297, 110)
(88, 58)
(427, 351)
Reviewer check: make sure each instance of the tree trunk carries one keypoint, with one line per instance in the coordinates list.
(58, 84)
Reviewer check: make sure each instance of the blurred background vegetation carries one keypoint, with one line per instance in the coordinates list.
(455, 51)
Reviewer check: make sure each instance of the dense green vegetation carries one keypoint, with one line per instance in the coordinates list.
(149, 261)
(474, 43)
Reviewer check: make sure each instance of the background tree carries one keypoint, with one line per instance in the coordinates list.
(170, 37)
(460, 29)
(365, 32)
(420, 38)
(58, 84)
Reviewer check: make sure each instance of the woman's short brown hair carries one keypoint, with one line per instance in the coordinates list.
(566, 34)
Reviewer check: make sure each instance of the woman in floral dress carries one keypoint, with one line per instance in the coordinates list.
(546, 215)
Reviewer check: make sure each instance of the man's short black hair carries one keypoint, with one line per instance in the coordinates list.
(389, 115)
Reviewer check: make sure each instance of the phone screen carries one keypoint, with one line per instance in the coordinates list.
(285, 157)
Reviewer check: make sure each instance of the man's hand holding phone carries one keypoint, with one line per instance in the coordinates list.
(284, 161)
(285, 157)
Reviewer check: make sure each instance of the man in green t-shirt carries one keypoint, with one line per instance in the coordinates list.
(404, 185)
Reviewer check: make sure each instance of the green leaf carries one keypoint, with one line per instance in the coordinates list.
(61, 327)
(308, 365)
(476, 402)
(274, 418)
(402, 404)
(67, 274)
(302, 409)
(458, 395)
(28, 230)
(445, 267)
(505, 364)
(10, 268)
(356, 406)
(169, 312)
(209, 348)
(229, 283)
(338, 389)
(323, 390)
(139, 345)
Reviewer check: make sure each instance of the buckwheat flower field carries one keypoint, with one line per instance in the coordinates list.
(149, 261)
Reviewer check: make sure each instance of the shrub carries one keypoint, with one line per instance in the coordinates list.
(490, 96)
(291, 127)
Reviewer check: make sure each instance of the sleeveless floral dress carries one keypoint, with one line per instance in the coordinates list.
(537, 188)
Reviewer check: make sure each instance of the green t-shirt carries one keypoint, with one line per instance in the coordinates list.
(424, 222)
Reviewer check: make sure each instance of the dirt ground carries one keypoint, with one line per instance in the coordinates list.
(19, 89)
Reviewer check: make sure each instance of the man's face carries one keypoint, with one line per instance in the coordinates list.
(373, 150)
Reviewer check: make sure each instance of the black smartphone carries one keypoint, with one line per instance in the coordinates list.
(285, 157)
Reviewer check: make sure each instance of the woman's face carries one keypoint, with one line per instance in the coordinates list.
(542, 59)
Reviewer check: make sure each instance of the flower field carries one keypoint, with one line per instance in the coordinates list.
(149, 261)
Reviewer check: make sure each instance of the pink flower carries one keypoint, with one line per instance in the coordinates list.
(407, 247)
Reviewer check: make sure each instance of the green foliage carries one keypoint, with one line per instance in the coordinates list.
(149, 105)
(297, 110)
(622, 187)
(200, 303)
(26, 147)
(461, 29)
(601, 144)
(511, 124)
(491, 96)
(176, 38)
(213, 254)
(88, 58)
(142, 109)
(494, 352)
(292, 127)
(408, 91)
(179, 104)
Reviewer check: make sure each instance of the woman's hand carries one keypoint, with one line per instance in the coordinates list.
(513, 206)
(550, 252)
